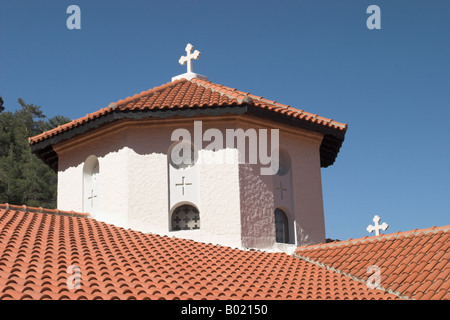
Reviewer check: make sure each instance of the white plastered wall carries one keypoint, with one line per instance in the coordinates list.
(112, 177)
(134, 182)
(304, 206)
(235, 201)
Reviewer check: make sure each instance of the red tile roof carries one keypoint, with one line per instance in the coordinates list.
(413, 264)
(197, 94)
(188, 94)
(36, 250)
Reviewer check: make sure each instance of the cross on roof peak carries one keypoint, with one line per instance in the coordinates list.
(187, 59)
(377, 227)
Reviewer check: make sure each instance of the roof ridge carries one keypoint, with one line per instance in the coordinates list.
(149, 91)
(355, 278)
(111, 106)
(242, 96)
(25, 208)
(389, 236)
(72, 122)
(213, 87)
(248, 95)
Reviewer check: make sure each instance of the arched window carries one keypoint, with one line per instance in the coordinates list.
(185, 217)
(91, 171)
(284, 162)
(281, 226)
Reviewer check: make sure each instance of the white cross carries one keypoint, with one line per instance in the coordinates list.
(92, 198)
(182, 184)
(281, 189)
(377, 227)
(189, 56)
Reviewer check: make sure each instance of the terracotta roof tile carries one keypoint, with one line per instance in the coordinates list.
(416, 264)
(36, 248)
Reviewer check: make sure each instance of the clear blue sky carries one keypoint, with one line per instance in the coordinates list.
(392, 86)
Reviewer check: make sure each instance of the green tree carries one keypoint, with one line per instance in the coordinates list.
(24, 178)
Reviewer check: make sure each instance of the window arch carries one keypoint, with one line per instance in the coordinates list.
(185, 217)
(91, 172)
(284, 162)
(281, 226)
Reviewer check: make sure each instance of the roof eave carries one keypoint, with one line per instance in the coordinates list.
(329, 149)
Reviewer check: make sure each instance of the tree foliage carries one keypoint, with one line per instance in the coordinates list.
(24, 178)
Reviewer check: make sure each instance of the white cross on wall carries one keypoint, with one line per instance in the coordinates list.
(377, 227)
(189, 57)
(92, 198)
(183, 184)
(281, 189)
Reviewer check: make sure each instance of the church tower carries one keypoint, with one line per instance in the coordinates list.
(198, 160)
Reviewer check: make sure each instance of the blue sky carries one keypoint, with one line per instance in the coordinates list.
(392, 86)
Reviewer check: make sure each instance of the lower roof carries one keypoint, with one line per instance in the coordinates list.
(413, 264)
(37, 248)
